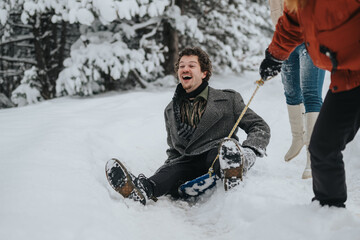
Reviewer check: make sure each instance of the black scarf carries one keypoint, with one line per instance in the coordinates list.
(180, 92)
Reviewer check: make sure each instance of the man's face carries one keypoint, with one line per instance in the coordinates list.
(189, 73)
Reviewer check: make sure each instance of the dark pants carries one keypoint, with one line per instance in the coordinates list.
(337, 125)
(170, 176)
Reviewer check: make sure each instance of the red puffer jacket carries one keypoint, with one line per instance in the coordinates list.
(331, 32)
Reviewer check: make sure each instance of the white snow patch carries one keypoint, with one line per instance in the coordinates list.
(53, 185)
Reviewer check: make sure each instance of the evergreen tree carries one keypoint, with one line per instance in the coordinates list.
(126, 43)
(234, 32)
(32, 38)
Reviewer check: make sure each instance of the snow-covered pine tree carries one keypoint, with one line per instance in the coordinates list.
(28, 92)
(31, 37)
(115, 52)
(138, 40)
(235, 33)
(14, 48)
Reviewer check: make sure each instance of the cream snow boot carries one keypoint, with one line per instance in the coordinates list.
(296, 118)
(310, 119)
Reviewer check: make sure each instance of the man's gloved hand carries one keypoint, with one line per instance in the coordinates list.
(186, 131)
(249, 158)
(270, 66)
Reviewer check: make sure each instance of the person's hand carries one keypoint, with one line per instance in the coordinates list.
(270, 66)
(186, 131)
(249, 158)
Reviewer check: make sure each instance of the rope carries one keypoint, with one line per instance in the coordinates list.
(259, 83)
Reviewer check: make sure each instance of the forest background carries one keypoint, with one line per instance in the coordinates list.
(52, 48)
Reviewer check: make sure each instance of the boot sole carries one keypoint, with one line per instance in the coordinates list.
(232, 174)
(128, 190)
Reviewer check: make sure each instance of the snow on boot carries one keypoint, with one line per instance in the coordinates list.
(231, 163)
(122, 181)
(310, 119)
(296, 119)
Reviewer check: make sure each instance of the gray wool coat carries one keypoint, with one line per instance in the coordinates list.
(222, 111)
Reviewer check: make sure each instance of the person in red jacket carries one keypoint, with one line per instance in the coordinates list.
(331, 33)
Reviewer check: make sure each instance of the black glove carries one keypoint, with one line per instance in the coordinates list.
(270, 66)
(186, 131)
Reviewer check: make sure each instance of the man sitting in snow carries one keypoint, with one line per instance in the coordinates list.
(198, 119)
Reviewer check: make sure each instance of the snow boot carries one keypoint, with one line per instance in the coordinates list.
(231, 163)
(146, 185)
(296, 119)
(125, 183)
(310, 119)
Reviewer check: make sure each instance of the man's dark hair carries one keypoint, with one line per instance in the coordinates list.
(204, 60)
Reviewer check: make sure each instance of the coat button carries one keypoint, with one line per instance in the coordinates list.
(308, 44)
(335, 88)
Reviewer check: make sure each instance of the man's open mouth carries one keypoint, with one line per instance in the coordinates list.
(186, 77)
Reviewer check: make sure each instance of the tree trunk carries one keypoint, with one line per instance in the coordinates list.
(47, 53)
(171, 40)
(62, 45)
(40, 56)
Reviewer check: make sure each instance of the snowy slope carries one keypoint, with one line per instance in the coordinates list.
(53, 186)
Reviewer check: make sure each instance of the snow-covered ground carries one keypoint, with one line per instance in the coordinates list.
(53, 186)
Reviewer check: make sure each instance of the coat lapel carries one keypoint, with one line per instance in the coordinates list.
(173, 127)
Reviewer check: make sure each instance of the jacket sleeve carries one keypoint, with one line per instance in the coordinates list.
(287, 36)
(258, 132)
(171, 152)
